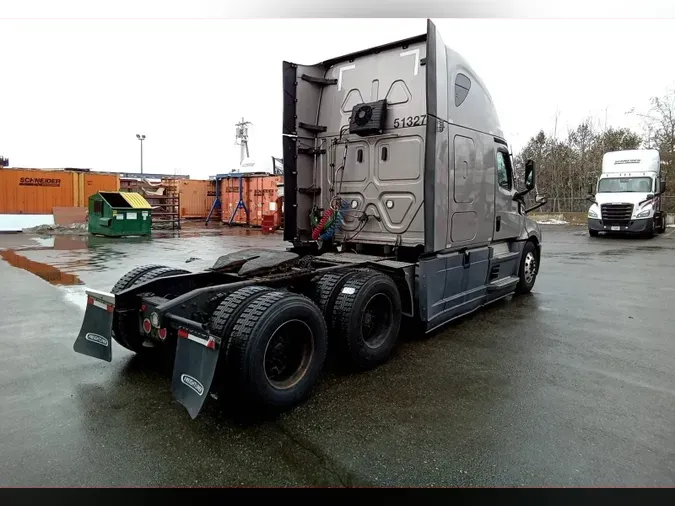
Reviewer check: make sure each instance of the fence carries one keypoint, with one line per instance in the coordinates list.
(581, 205)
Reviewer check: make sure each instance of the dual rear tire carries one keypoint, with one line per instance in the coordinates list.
(362, 309)
(275, 342)
(275, 347)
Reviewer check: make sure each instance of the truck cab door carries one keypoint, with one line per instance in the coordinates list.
(508, 220)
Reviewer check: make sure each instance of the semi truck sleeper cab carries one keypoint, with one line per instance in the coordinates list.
(400, 202)
(627, 196)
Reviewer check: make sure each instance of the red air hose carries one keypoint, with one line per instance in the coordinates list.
(327, 215)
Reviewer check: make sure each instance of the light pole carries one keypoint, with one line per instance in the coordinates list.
(141, 138)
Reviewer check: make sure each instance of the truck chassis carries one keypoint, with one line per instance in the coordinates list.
(255, 327)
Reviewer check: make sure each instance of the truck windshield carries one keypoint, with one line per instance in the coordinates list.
(625, 184)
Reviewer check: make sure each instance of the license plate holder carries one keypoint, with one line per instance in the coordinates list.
(616, 228)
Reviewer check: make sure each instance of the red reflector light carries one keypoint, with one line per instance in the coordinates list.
(211, 344)
(146, 326)
(143, 307)
(183, 333)
(162, 334)
(90, 300)
(110, 308)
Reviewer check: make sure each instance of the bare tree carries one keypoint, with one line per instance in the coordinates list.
(566, 167)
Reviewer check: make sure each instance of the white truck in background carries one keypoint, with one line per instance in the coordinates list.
(627, 197)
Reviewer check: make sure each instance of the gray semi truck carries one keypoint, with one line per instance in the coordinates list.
(400, 202)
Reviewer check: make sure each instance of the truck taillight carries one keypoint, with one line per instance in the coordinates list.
(162, 334)
(147, 326)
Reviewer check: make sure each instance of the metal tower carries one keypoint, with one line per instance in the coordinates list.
(242, 139)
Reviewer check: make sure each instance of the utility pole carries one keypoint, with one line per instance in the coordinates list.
(141, 137)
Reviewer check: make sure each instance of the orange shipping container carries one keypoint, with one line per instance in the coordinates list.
(196, 197)
(229, 196)
(258, 193)
(32, 191)
(91, 183)
(262, 191)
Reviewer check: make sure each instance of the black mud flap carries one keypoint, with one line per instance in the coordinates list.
(194, 368)
(95, 337)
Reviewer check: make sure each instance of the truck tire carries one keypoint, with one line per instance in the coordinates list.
(366, 319)
(592, 233)
(125, 325)
(123, 283)
(529, 267)
(277, 350)
(661, 228)
(222, 321)
(325, 290)
(128, 279)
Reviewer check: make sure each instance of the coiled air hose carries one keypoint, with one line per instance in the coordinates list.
(330, 222)
(327, 215)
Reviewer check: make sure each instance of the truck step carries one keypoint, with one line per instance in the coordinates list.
(318, 80)
(311, 151)
(310, 191)
(312, 128)
(505, 257)
(500, 284)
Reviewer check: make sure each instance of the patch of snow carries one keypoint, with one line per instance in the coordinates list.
(74, 229)
(19, 222)
(77, 295)
(552, 222)
(45, 242)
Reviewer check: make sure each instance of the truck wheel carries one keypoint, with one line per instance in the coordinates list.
(528, 268)
(128, 279)
(126, 328)
(662, 225)
(325, 290)
(592, 233)
(366, 319)
(277, 350)
(223, 319)
(123, 283)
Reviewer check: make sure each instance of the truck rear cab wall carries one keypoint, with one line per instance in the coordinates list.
(434, 186)
(373, 172)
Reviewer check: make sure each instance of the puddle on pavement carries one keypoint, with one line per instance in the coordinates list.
(47, 272)
(649, 248)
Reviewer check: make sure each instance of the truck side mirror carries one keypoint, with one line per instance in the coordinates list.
(591, 188)
(529, 175)
(662, 187)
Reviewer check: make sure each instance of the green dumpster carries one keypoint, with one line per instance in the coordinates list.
(117, 214)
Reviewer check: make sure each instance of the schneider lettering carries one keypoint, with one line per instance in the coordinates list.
(39, 181)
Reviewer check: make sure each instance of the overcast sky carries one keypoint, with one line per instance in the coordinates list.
(75, 93)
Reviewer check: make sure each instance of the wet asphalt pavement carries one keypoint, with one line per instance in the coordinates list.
(572, 385)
